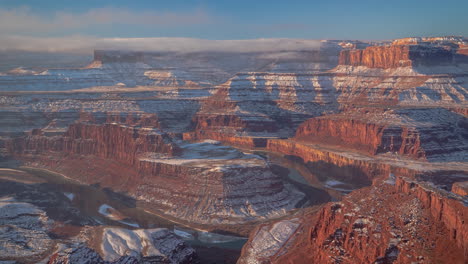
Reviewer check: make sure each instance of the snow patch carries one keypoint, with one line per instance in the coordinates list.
(69, 195)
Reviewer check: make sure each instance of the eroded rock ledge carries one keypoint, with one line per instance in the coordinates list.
(367, 227)
(395, 56)
(204, 183)
(429, 134)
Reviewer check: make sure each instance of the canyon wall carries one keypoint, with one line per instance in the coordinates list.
(349, 167)
(444, 207)
(112, 141)
(355, 134)
(248, 142)
(201, 183)
(394, 56)
(434, 134)
(460, 188)
(366, 227)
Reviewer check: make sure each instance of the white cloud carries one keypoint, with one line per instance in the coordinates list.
(84, 44)
(20, 28)
(23, 21)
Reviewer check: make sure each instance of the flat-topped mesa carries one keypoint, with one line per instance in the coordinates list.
(203, 183)
(265, 103)
(111, 140)
(394, 56)
(214, 184)
(430, 40)
(433, 134)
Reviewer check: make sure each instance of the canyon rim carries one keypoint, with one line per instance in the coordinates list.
(260, 150)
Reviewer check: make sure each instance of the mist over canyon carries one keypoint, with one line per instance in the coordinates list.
(237, 151)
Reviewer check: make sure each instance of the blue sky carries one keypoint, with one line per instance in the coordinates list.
(237, 19)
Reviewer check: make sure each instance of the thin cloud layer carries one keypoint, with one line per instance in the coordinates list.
(23, 29)
(83, 44)
(23, 21)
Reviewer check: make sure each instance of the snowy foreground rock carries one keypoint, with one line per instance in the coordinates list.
(146, 244)
(23, 231)
(130, 246)
(25, 237)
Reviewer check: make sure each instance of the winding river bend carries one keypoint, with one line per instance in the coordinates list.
(109, 208)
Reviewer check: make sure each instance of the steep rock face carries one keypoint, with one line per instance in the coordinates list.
(351, 169)
(377, 57)
(460, 188)
(419, 133)
(203, 183)
(363, 228)
(249, 142)
(255, 103)
(427, 73)
(113, 141)
(395, 56)
(445, 208)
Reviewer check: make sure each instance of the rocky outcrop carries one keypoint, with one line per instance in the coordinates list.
(365, 228)
(249, 142)
(112, 141)
(444, 208)
(256, 103)
(394, 56)
(120, 246)
(346, 168)
(434, 134)
(377, 57)
(24, 232)
(460, 188)
(153, 245)
(203, 183)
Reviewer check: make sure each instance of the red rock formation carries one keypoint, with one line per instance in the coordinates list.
(231, 121)
(371, 138)
(377, 57)
(249, 142)
(200, 183)
(113, 141)
(460, 188)
(427, 226)
(406, 132)
(463, 49)
(351, 168)
(394, 56)
(443, 207)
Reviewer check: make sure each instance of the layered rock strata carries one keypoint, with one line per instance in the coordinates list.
(119, 246)
(460, 188)
(366, 228)
(202, 183)
(433, 134)
(395, 56)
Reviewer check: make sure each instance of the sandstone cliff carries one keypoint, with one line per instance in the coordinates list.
(460, 188)
(366, 227)
(395, 56)
(113, 141)
(434, 134)
(201, 183)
